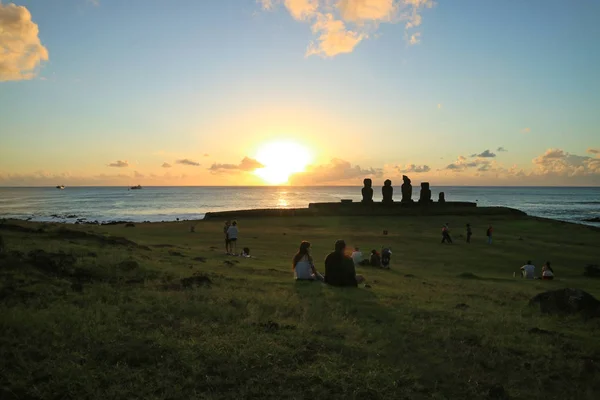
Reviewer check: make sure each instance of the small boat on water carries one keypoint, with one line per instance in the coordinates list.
(136, 187)
(61, 187)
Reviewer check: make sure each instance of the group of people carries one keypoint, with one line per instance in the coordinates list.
(339, 266)
(376, 259)
(446, 238)
(528, 271)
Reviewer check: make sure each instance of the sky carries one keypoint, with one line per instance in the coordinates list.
(299, 92)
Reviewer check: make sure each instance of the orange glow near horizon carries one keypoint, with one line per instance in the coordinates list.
(281, 160)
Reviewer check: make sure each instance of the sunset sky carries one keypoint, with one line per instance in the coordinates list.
(307, 92)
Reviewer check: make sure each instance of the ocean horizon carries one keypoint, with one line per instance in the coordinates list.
(170, 203)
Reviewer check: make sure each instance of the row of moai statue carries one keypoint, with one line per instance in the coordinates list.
(388, 192)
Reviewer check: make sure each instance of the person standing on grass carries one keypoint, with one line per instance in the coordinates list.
(528, 270)
(489, 232)
(225, 228)
(446, 234)
(469, 233)
(339, 268)
(232, 235)
(303, 265)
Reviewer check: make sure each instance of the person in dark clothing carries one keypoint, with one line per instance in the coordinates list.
(375, 259)
(469, 233)
(386, 257)
(446, 234)
(339, 268)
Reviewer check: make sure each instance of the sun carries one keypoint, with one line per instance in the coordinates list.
(281, 160)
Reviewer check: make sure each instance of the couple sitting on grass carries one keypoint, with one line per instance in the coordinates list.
(528, 271)
(339, 267)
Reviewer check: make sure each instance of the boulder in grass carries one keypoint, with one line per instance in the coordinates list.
(591, 271)
(567, 301)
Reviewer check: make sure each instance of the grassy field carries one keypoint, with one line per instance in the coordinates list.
(165, 314)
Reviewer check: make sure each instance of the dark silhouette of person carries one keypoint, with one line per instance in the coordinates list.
(446, 234)
(375, 259)
(339, 267)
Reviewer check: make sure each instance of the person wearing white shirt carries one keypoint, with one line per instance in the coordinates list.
(303, 265)
(357, 256)
(528, 270)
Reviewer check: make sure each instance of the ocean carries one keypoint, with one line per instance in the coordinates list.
(107, 204)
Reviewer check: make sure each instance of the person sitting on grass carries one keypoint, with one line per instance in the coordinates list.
(528, 270)
(357, 256)
(547, 271)
(232, 236)
(375, 259)
(303, 265)
(339, 268)
(386, 257)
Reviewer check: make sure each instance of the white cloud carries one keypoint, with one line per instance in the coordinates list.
(340, 25)
(412, 168)
(21, 51)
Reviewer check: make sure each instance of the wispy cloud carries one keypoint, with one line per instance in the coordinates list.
(206, 155)
(413, 168)
(484, 154)
(340, 25)
(501, 149)
(247, 164)
(593, 151)
(166, 165)
(526, 130)
(186, 161)
(21, 51)
(119, 164)
(137, 174)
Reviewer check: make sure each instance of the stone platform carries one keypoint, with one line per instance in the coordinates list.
(349, 209)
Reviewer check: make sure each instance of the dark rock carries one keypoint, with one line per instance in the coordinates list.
(595, 219)
(497, 392)
(425, 196)
(461, 306)
(128, 265)
(200, 259)
(195, 280)
(409, 276)
(71, 216)
(441, 197)
(592, 271)
(406, 190)
(468, 275)
(367, 191)
(175, 253)
(130, 225)
(539, 331)
(367, 286)
(567, 301)
(388, 192)
(230, 263)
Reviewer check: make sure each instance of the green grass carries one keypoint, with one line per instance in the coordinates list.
(103, 328)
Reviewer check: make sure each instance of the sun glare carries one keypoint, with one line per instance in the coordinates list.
(281, 160)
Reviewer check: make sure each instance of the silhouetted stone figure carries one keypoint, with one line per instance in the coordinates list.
(406, 190)
(441, 198)
(367, 191)
(387, 191)
(425, 193)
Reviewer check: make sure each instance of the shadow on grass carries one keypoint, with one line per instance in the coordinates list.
(471, 276)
